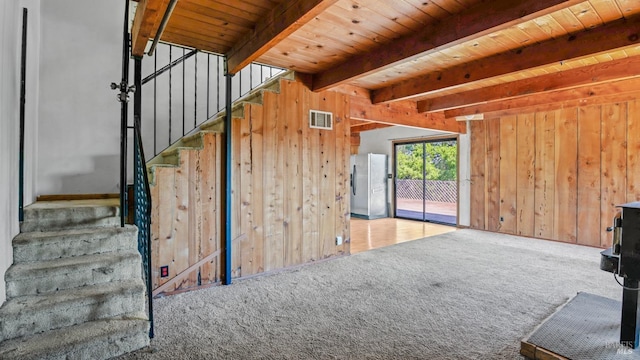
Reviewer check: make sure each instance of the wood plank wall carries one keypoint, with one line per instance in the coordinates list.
(558, 174)
(186, 224)
(291, 198)
(290, 193)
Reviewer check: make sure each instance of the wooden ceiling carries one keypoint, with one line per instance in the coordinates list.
(441, 58)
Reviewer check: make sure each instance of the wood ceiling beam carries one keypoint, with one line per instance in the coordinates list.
(348, 89)
(615, 35)
(355, 140)
(282, 21)
(477, 21)
(355, 122)
(577, 95)
(367, 127)
(401, 113)
(146, 23)
(586, 75)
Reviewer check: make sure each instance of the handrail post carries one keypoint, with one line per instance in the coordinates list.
(123, 114)
(137, 95)
(228, 167)
(23, 80)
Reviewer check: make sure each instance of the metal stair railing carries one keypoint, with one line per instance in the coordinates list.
(142, 215)
(165, 105)
(188, 91)
(142, 196)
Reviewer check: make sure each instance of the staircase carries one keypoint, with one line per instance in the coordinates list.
(75, 290)
(170, 157)
(186, 188)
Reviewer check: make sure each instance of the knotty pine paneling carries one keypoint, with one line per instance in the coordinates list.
(525, 169)
(566, 154)
(290, 192)
(588, 221)
(186, 222)
(613, 161)
(559, 174)
(633, 151)
(477, 174)
(508, 182)
(293, 187)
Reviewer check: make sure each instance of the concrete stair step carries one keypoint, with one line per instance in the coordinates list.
(172, 157)
(102, 339)
(33, 314)
(194, 140)
(254, 97)
(153, 170)
(237, 112)
(70, 214)
(216, 123)
(40, 246)
(67, 273)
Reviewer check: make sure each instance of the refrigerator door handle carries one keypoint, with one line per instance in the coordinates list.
(354, 181)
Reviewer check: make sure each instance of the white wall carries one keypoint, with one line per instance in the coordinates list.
(380, 141)
(79, 116)
(464, 178)
(10, 51)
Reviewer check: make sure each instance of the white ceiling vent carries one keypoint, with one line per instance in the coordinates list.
(320, 120)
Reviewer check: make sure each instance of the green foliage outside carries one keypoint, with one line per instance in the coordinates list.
(441, 161)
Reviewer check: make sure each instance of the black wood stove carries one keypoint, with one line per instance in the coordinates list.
(623, 259)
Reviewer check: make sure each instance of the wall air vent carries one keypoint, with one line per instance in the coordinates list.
(320, 120)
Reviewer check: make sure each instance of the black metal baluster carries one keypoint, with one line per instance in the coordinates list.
(218, 84)
(228, 176)
(155, 105)
(208, 94)
(170, 58)
(23, 78)
(124, 89)
(183, 91)
(195, 93)
(239, 85)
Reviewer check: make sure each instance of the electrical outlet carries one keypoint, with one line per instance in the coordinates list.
(501, 218)
(338, 240)
(164, 271)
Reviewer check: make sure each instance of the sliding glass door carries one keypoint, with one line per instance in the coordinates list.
(426, 181)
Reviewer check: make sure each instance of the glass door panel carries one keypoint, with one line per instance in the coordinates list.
(426, 186)
(409, 182)
(441, 181)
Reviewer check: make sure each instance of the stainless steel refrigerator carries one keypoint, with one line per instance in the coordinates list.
(369, 186)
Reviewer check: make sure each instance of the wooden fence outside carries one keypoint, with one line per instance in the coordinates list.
(436, 190)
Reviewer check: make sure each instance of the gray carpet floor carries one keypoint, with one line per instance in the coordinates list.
(461, 295)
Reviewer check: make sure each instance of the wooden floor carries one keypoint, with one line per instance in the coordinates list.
(372, 234)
